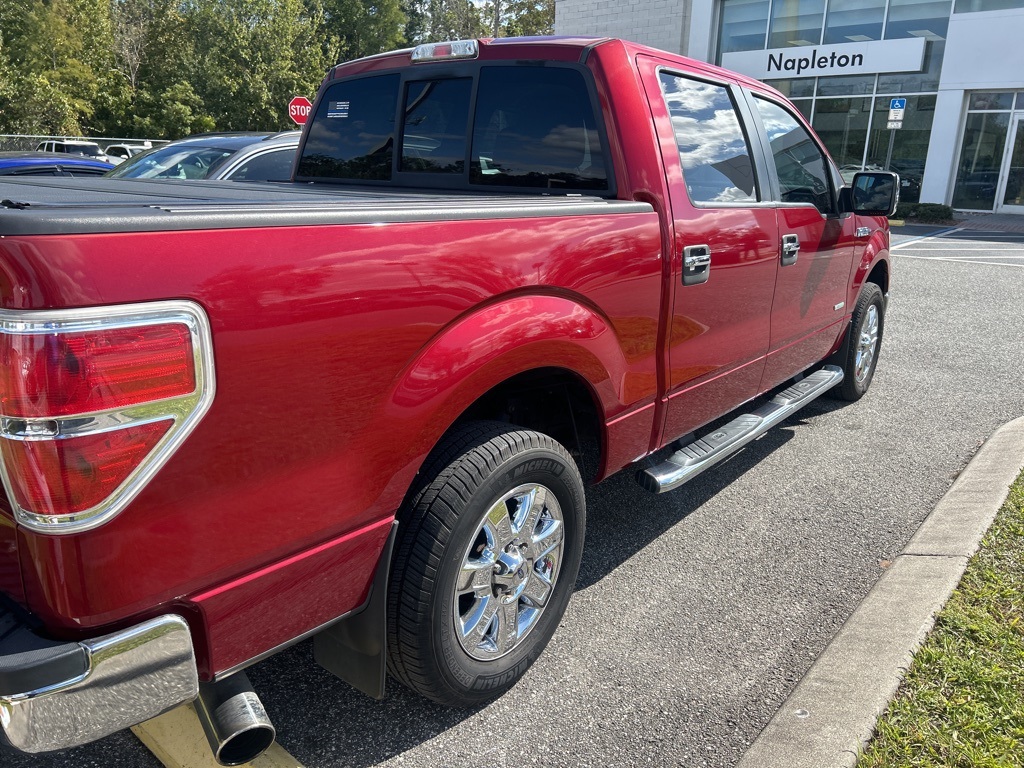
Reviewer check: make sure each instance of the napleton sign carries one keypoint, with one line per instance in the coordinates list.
(870, 57)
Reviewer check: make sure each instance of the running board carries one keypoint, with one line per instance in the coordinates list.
(690, 460)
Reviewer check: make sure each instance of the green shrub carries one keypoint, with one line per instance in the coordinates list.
(926, 213)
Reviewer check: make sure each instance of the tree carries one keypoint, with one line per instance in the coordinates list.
(355, 28)
(253, 56)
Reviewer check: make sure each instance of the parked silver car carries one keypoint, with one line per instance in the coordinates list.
(235, 156)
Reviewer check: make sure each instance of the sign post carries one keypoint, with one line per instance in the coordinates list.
(897, 109)
(299, 108)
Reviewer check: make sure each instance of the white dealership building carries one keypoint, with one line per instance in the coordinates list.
(956, 67)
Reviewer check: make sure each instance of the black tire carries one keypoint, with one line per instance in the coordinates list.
(867, 321)
(445, 532)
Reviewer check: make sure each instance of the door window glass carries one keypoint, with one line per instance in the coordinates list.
(801, 166)
(712, 147)
(1015, 173)
(980, 157)
(269, 166)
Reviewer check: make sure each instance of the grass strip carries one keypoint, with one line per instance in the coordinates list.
(961, 705)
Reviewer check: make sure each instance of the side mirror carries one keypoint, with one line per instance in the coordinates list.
(872, 193)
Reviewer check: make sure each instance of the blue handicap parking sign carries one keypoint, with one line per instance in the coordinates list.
(897, 104)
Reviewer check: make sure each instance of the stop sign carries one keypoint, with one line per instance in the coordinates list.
(299, 108)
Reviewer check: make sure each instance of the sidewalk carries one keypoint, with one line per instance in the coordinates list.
(831, 714)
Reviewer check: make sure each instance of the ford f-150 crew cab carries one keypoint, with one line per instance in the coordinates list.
(361, 406)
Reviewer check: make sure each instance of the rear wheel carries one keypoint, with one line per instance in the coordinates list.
(489, 550)
(866, 326)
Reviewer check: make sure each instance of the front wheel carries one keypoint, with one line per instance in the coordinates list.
(866, 326)
(489, 550)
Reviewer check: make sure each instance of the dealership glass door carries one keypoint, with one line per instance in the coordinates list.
(1013, 192)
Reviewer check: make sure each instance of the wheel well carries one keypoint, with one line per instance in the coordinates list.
(880, 276)
(553, 401)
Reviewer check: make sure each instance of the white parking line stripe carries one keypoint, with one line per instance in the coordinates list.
(961, 261)
(940, 233)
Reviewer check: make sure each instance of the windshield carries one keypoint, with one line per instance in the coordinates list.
(173, 163)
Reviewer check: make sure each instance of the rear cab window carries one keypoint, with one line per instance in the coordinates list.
(498, 126)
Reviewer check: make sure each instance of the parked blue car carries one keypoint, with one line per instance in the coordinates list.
(50, 164)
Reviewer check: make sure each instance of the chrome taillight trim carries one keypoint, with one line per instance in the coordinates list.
(185, 411)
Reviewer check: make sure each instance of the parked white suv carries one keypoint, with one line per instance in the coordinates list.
(74, 147)
(118, 153)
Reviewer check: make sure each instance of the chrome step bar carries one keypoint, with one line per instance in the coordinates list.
(703, 453)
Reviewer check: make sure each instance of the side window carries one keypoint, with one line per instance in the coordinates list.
(713, 150)
(269, 166)
(802, 168)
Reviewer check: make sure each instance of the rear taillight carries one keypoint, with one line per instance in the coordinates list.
(93, 402)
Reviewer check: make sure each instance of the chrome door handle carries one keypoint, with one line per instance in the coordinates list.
(790, 249)
(696, 264)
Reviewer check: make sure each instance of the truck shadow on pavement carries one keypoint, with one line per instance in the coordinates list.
(323, 722)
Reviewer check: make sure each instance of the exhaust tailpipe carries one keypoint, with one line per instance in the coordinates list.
(234, 720)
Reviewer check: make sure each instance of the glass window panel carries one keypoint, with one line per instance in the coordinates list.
(712, 148)
(434, 131)
(1020, 100)
(1015, 173)
(802, 169)
(981, 101)
(744, 24)
(795, 88)
(804, 105)
(842, 124)
(269, 166)
(909, 143)
(917, 18)
(846, 85)
(854, 21)
(981, 154)
(796, 22)
(968, 6)
(902, 83)
(352, 135)
(535, 127)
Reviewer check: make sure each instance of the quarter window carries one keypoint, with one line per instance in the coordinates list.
(712, 147)
(801, 166)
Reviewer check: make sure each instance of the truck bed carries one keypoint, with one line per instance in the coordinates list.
(61, 206)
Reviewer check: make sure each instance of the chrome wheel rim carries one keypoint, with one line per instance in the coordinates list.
(867, 344)
(508, 572)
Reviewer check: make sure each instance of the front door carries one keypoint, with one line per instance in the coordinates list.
(723, 251)
(815, 251)
(1011, 199)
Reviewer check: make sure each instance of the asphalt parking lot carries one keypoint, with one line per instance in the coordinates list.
(697, 612)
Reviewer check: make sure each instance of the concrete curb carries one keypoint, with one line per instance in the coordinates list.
(831, 714)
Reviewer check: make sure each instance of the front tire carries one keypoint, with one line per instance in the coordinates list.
(866, 326)
(489, 550)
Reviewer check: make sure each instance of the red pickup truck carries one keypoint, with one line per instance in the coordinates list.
(362, 406)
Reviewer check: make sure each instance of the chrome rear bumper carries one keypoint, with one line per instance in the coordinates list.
(129, 676)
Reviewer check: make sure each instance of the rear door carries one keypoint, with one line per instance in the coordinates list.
(724, 246)
(815, 249)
